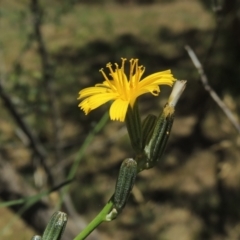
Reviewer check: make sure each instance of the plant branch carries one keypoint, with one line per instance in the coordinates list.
(34, 143)
(47, 76)
(101, 217)
(208, 88)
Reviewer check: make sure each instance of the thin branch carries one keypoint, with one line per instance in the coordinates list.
(47, 74)
(213, 94)
(34, 143)
(48, 79)
(36, 197)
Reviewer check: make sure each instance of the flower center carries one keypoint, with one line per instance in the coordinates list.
(125, 88)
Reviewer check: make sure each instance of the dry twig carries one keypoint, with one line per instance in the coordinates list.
(213, 94)
(34, 142)
(47, 74)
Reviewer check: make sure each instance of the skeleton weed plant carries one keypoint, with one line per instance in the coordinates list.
(148, 138)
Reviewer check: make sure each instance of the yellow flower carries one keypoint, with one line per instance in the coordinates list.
(122, 90)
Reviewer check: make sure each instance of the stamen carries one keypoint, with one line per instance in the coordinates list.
(124, 85)
(142, 70)
(103, 73)
(136, 60)
(106, 78)
(123, 63)
(118, 81)
(109, 65)
(131, 69)
(120, 75)
(138, 73)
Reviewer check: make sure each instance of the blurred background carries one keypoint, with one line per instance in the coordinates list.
(49, 50)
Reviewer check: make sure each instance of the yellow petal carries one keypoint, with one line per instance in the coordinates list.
(110, 85)
(118, 110)
(104, 84)
(95, 101)
(153, 89)
(159, 78)
(92, 91)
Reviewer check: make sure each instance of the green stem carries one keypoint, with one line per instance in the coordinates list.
(99, 126)
(36, 197)
(101, 217)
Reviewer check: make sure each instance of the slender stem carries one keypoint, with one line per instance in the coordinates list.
(101, 217)
(36, 197)
(99, 126)
(81, 152)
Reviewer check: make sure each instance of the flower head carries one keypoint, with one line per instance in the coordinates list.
(122, 90)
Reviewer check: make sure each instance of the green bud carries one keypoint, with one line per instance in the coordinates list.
(154, 149)
(155, 143)
(36, 237)
(124, 184)
(55, 227)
